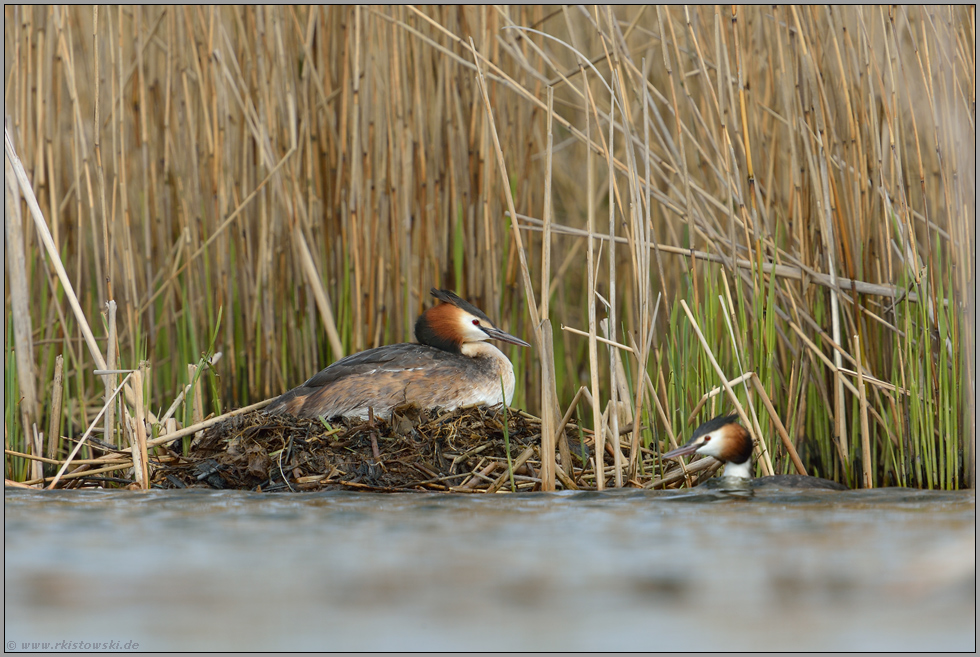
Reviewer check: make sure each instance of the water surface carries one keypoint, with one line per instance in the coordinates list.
(890, 569)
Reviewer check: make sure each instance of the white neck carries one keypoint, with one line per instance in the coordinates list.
(739, 470)
(505, 370)
(481, 350)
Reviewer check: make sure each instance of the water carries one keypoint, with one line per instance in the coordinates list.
(889, 569)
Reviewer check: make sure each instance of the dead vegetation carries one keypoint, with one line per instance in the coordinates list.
(475, 450)
(463, 452)
(664, 200)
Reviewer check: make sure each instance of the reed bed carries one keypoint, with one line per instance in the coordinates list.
(686, 210)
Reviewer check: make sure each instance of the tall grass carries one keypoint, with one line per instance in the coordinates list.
(802, 177)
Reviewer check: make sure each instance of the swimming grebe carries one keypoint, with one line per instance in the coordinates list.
(451, 367)
(729, 442)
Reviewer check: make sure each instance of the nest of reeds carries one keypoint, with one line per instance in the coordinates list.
(474, 450)
(470, 450)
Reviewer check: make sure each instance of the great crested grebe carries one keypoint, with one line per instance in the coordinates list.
(452, 366)
(729, 442)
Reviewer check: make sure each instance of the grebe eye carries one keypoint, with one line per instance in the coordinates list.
(707, 439)
(476, 322)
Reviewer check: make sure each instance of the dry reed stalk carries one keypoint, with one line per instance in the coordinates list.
(783, 271)
(709, 465)
(581, 393)
(565, 479)
(354, 199)
(37, 447)
(865, 436)
(44, 459)
(610, 322)
(546, 212)
(20, 308)
(109, 431)
(607, 341)
(81, 472)
(618, 413)
(139, 420)
(598, 427)
(476, 477)
(196, 405)
(714, 392)
(17, 484)
(139, 465)
(780, 428)
(57, 391)
(100, 170)
(88, 432)
(314, 280)
(549, 409)
(640, 224)
(518, 462)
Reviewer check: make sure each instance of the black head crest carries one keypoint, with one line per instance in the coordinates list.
(447, 296)
(714, 424)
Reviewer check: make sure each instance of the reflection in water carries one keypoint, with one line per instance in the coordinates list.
(782, 570)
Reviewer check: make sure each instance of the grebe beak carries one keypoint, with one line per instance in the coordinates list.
(503, 336)
(689, 448)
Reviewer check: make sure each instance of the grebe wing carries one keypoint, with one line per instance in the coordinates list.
(396, 357)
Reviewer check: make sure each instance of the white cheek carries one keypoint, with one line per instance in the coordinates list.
(712, 447)
(473, 333)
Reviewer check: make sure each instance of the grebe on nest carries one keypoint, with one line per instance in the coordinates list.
(451, 367)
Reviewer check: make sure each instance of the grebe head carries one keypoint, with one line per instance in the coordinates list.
(455, 322)
(726, 440)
